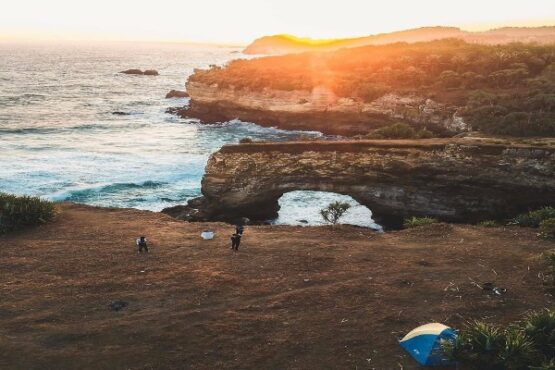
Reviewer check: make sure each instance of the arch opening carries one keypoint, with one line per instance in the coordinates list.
(302, 207)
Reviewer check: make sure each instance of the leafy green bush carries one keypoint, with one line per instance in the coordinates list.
(419, 221)
(17, 212)
(424, 133)
(334, 211)
(547, 228)
(400, 131)
(395, 131)
(528, 344)
(534, 218)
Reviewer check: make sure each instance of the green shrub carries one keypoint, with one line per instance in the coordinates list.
(489, 223)
(419, 221)
(540, 327)
(534, 218)
(528, 344)
(17, 212)
(334, 211)
(424, 133)
(395, 131)
(547, 228)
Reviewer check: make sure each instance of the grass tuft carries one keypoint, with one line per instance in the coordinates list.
(419, 221)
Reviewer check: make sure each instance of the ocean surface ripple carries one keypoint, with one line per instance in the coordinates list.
(60, 140)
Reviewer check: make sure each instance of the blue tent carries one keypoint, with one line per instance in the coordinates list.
(425, 344)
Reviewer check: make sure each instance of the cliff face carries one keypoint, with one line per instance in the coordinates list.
(453, 181)
(319, 110)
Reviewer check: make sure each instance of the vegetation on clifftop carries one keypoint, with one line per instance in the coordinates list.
(502, 89)
(527, 344)
(20, 212)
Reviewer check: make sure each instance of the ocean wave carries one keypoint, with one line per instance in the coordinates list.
(257, 129)
(23, 99)
(55, 129)
(81, 194)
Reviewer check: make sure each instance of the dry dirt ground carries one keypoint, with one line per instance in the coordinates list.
(291, 298)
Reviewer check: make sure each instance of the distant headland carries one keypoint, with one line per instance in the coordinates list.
(286, 44)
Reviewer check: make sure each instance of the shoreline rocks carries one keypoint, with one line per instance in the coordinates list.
(177, 94)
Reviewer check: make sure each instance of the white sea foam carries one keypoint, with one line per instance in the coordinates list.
(60, 139)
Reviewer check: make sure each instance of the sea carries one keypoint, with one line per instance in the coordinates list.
(60, 138)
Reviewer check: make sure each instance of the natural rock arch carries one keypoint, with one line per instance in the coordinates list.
(450, 180)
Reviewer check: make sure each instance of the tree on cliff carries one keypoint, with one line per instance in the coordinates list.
(334, 211)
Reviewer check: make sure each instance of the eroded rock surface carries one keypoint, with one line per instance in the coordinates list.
(451, 180)
(319, 110)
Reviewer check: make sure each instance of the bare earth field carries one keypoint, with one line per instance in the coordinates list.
(291, 298)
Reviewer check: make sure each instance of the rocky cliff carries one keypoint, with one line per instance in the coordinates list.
(319, 110)
(452, 180)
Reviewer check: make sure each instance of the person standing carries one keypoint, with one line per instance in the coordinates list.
(239, 229)
(235, 242)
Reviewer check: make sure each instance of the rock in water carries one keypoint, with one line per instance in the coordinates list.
(177, 94)
(148, 72)
(133, 72)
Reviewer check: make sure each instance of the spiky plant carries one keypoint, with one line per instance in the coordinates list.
(478, 346)
(540, 327)
(517, 351)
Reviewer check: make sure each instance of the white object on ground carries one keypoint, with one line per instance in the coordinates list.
(207, 235)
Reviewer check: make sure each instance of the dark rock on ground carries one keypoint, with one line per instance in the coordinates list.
(177, 94)
(120, 113)
(118, 305)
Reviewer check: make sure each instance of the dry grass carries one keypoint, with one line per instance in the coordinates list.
(292, 298)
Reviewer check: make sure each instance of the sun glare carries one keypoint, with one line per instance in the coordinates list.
(242, 21)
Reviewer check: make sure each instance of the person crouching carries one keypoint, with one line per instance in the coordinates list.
(142, 244)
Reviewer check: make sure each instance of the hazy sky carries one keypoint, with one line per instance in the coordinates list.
(240, 21)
